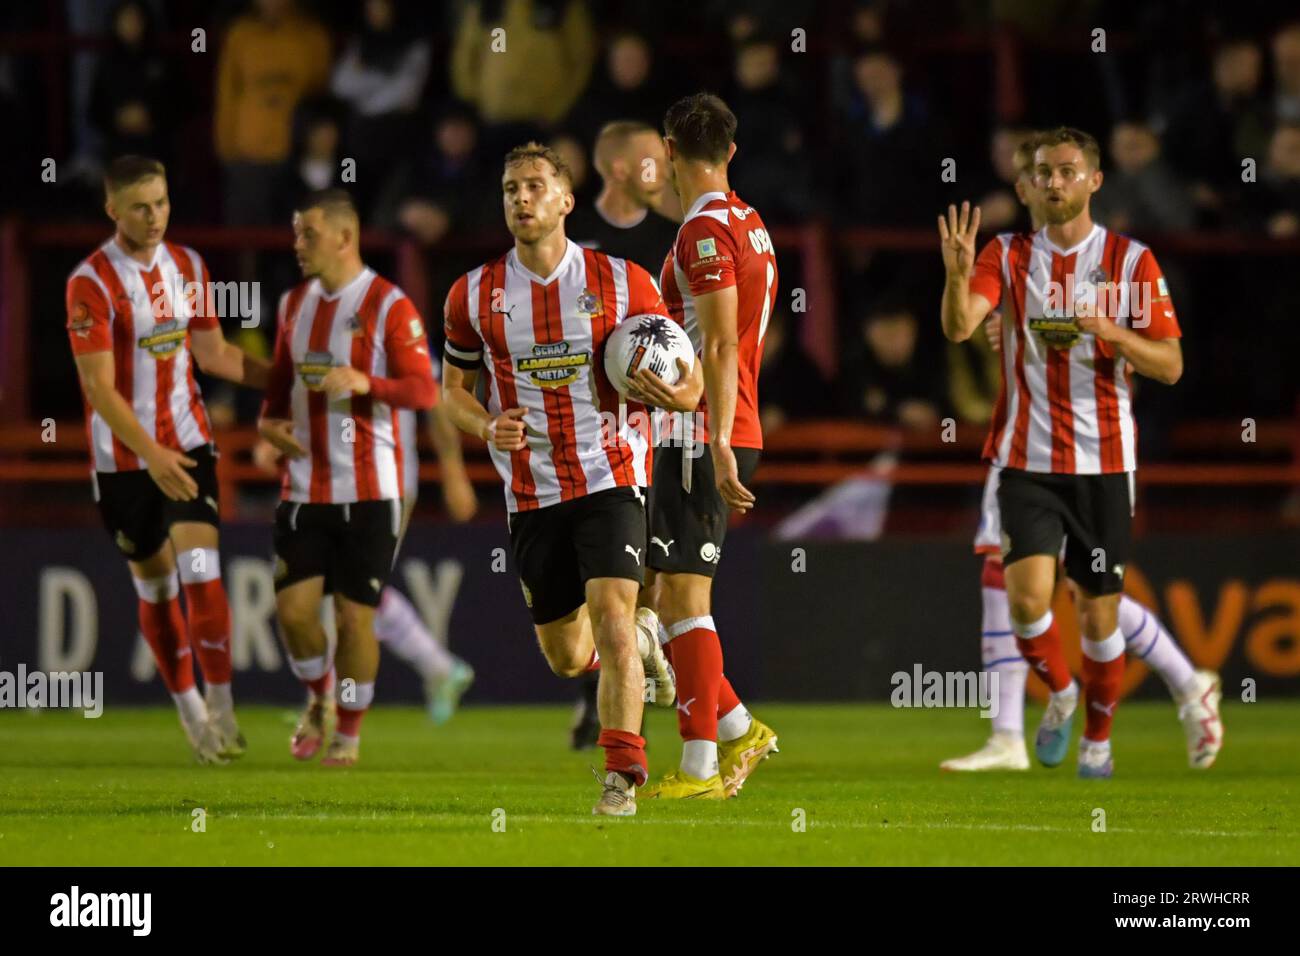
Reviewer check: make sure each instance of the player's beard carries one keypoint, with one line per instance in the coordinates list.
(1057, 213)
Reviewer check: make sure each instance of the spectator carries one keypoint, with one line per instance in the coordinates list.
(885, 131)
(270, 60)
(628, 218)
(1272, 205)
(1286, 73)
(133, 98)
(627, 89)
(315, 160)
(1000, 209)
(1217, 124)
(546, 51)
(574, 154)
(773, 172)
(381, 76)
(1141, 194)
(886, 381)
(791, 387)
(446, 186)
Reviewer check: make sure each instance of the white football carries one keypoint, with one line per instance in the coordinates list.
(650, 341)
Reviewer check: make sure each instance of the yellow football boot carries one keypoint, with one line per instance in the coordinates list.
(682, 786)
(738, 758)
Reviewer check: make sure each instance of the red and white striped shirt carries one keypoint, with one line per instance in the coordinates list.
(142, 314)
(723, 243)
(356, 447)
(540, 341)
(1065, 403)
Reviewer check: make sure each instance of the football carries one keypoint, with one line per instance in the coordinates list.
(652, 342)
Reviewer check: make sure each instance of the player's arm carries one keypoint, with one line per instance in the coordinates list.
(505, 432)
(720, 354)
(963, 308)
(224, 359)
(275, 423)
(411, 384)
(457, 491)
(1151, 345)
(166, 466)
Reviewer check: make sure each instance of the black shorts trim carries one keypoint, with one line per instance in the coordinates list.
(139, 516)
(559, 548)
(1092, 514)
(687, 528)
(351, 546)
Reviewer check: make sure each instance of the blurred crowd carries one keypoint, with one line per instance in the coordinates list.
(845, 123)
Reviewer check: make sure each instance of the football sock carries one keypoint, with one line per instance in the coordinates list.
(399, 627)
(1040, 644)
(697, 659)
(315, 672)
(1147, 640)
(594, 663)
(999, 652)
(190, 706)
(207, 612)
(1103, 672)
(163, 627)
(700, 758)
(351, 711)
(734, 723)
(624, 753)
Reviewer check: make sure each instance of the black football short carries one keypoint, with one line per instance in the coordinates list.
(687, 528)
(559, 548)
(1092, 513)
(139, 516)
(351, 546)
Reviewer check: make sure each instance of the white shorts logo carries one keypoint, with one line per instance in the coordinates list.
(710, 552)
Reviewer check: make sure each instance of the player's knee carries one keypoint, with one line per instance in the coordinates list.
(1028, 608)
(298, 619)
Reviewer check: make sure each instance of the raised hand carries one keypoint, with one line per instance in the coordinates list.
(957, 239)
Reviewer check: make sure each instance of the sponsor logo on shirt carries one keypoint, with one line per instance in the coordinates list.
(314, 367)
(552, 365)
(1058, 333)
(705, 248)
(165, 339)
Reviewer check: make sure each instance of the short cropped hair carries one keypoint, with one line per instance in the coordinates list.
(701, 126)
(613, 137)
(334, 202)
(1069, 136)
(534, 150)
(1023, 159)
(129, 170)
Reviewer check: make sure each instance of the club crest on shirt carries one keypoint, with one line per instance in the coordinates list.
(80, 321)
(552, 365)
(589, 303)
(354, 326)
(165, 339)
(314, 367)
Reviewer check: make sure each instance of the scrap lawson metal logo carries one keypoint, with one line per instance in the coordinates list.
(553, 365)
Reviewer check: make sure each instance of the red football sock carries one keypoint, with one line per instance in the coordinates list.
(163, 627)
(349, 721)
(728, 699)
(1046, 657)
(624, 753)
(209, 625)
(697, 659)
(594, 663)
(321, 685)
(1101, 683)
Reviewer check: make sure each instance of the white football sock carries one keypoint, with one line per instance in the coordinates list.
(219, 697)
(735, 723)
(1000, 653)
(399, 627)
(700, 758)
(1150, 643)
(191, 707)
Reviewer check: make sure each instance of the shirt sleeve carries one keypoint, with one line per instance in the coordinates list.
(280, 383)
(463, 346)
(707, 254)
(90, 327)
(1152, 311)
(987, 277)
(409, 383)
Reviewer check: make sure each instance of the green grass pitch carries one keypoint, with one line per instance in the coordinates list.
(121, 790)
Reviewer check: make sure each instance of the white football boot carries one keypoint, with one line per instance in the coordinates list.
(1003, 751)
(1198, 711)
(662, 689)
